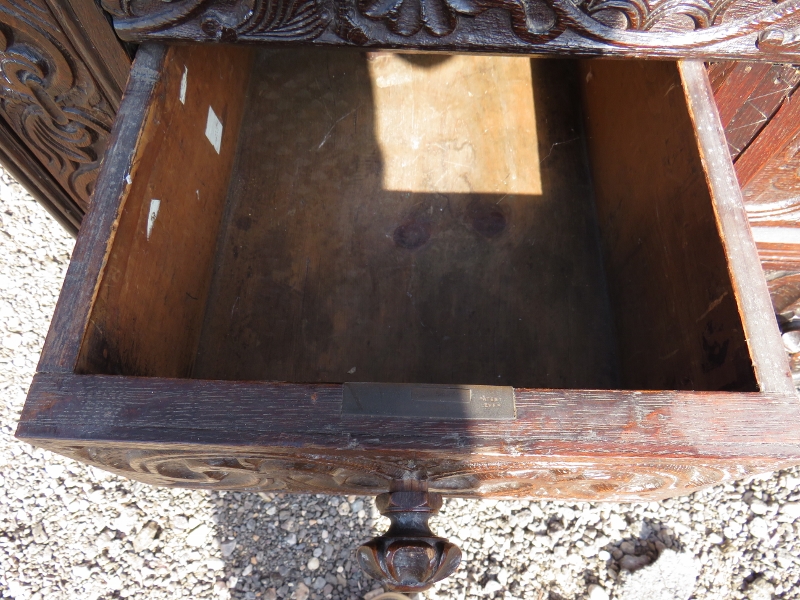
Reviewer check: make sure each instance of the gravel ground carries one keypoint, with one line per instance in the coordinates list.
(73, 532)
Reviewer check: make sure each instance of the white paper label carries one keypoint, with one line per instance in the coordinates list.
(214, 129)
(151, 218)
(183, 84)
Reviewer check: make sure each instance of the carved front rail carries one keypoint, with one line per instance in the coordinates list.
(759, 30)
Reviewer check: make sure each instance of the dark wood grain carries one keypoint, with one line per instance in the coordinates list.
(752, 297)
(63, 342)
(747, 98)
(767, 171)
(569, 443)
(678, 325)
(149, 307)
(755, 29)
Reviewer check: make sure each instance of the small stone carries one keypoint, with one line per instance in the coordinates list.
(114, 583)
(319, 583)
(80, 572)
(179, 522)
(198, 536)
(759, 528)
(715, 538)
(301, 591)
(39, 534)
(270, 594)
(289, 525)
(628, 547)
(374, 593)
(617, 522)
(145, 538)
(313, 564)
(630, 562)
(791, 510)
(597, 593)
(758, 507)
(357, 505)
(344, 508)
(12, 341)
(760, 589)
(227, 548)
(672, 577)
(54, 471)
(492, 586)
(604, 555)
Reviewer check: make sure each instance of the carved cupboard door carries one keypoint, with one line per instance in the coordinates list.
(759, 106)
(62, 72)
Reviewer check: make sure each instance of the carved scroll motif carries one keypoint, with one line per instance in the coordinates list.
(269, 20)
(359, 474)
(776, 39)
(49, 98)
(649, 26)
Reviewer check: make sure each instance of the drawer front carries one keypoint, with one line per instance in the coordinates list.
(757, 30)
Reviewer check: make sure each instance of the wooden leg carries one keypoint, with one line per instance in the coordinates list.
(408, 557)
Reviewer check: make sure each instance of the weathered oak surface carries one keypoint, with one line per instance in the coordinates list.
(565, 443)
(757, 29)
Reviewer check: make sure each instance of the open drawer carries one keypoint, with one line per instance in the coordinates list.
(324, 270)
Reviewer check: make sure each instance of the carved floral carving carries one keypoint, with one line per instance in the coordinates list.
(270, 20)
(49, 98)
(649, 26)
(642, 15)
(407, 17)
(371, 474)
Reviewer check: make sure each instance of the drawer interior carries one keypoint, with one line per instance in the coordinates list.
(332, 216)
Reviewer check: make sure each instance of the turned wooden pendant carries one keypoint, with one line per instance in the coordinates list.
(408, 557)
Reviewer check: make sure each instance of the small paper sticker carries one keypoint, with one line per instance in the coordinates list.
(183, 85)
(214, 129)
(151, 218)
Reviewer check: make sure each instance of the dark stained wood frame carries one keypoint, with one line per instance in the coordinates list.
(569, 444)
(721, 29)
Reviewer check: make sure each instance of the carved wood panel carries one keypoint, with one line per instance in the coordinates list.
(367, 473)
(760, 29)
(49, 96)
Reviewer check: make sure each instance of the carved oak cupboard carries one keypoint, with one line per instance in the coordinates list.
(320, 269)
(62, 72)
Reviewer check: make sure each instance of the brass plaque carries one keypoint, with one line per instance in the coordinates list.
(407, 400)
